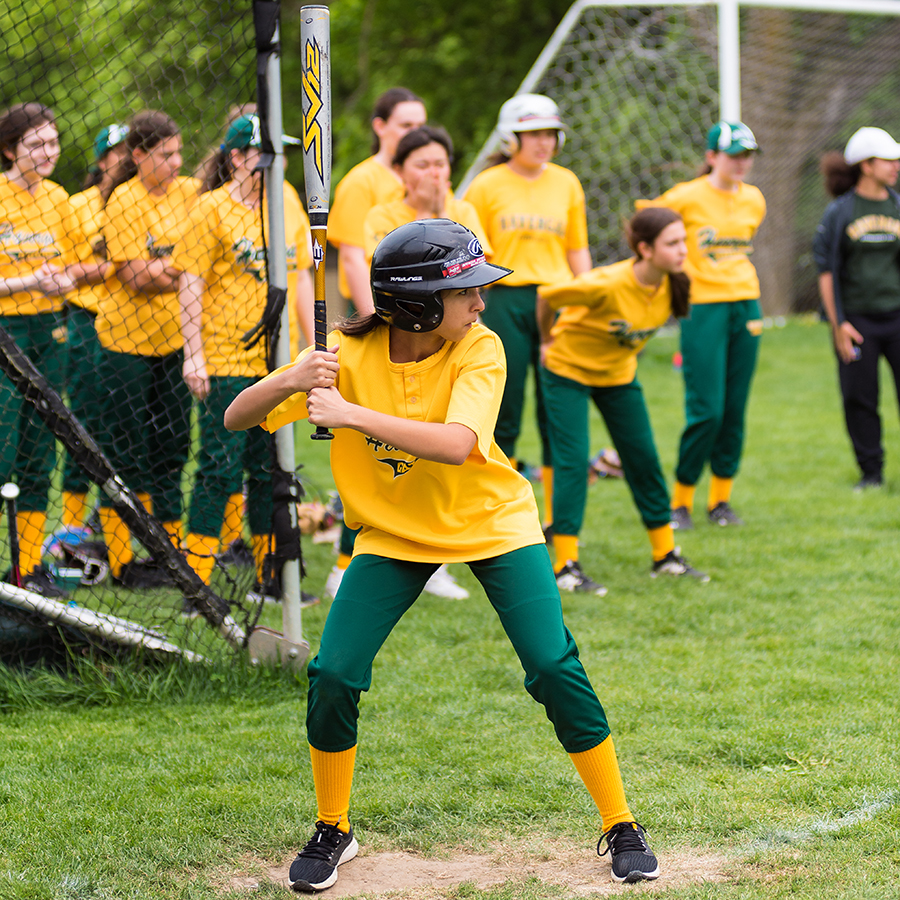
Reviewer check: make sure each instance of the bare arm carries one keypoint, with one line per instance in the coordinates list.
(148, 276)
(579, 261)
(88, 272)
(353, 259)
(190, 297)
(846, 337)
(449, 443)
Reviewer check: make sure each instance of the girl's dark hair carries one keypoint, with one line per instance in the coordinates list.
(145, 130)
(16, 121)
(357, 325)
(645, 227)
(384, 106)
(839, 176)
(217, 170)
(422, 137)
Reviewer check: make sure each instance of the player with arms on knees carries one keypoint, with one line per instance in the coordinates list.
(534, 214)
(607, 316)
(720, 338)
(412, 394)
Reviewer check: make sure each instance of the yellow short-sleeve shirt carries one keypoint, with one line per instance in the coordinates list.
(416, 509)
(89, 215)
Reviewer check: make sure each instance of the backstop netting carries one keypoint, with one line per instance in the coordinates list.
(106, 537)
(639, 89)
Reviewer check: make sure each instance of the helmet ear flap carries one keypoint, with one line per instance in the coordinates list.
(509, 143)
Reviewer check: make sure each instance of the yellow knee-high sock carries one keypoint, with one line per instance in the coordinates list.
(233, 525)
(566, 548)
(683, 495)
(333, 778)
(719, 491)
(547, 481)
(262, 544)
(662, 541)
(31, 524)
(599, 770)
(343, 560)
(175, 530)
(74, 509)
(146, 501)
(118, 539)
(201, 550)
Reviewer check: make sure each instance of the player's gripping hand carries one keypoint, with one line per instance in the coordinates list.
(327, 407)
(317, 369)
(53, 282)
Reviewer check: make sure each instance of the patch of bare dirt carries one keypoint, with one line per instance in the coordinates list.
(411, 876)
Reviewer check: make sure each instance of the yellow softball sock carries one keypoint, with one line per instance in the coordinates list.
(261, 544)
(683, 495)
(175, 530)
(201, 554)
(74, 509)
(662, 541)
(599, 770)
(719, 491)
(566, 548)
(30, 524)
(333, 778)
(547, 481)
(118, 539)
(233, 525)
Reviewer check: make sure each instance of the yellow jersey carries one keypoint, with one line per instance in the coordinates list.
(385, 217)
(364, 186)
(299, 256)
(143, 226)
(224, 247)
(720, 227)
(90, 247)
(34, 229)
(532, 224)
(415, 509)
(607, 317)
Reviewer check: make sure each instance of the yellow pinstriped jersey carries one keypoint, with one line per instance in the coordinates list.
(607, 317)
(385, 217)
(34, 230)
(416, 509)
(532, 224)
(143, 226)
(720, 228)
(224, 247)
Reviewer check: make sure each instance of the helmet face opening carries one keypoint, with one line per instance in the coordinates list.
(416, 262)
(528, 112)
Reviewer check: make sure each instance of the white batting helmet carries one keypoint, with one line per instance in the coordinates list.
(528, 112)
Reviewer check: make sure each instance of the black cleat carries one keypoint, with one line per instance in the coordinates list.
(315, 867)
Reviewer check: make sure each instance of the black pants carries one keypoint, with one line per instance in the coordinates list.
(859, 386)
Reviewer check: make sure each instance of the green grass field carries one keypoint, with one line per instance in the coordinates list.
(755, 717)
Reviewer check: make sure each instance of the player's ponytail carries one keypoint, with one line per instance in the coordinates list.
(645, 227)
(838, 175)
(357, 325)
(217, 171)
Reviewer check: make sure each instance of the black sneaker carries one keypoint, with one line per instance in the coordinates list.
(571, 578)
(674, 564)
(722, 514)
(40, 581)
(144, 573)
(315, 867)
(681, 519)
(866, 482)
(237, 554)
(548, 534)
(631, 857)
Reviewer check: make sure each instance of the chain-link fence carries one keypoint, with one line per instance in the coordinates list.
(132, 264)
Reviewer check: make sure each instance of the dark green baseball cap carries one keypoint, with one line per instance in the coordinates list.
(109, 137)
(244, 132)
(731, 138)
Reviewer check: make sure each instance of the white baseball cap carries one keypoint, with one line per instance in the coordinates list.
(870, 143)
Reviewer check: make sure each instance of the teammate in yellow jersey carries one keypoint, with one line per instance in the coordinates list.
(422, 161)
(412, 394)
(144, 403)
(534, 214)
(606, 317)
(37, 269)
(720, 340)
(223, 295)
(82, 307)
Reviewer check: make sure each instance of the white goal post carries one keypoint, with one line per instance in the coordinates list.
(639, 86)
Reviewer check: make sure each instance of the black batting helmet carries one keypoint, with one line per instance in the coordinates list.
(415, 262)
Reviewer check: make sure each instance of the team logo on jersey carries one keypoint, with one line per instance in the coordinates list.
(400, 466)
(158, 251)
(874, 229)
(22, 245)
(249, 258)
(626, 336)
(716, 248)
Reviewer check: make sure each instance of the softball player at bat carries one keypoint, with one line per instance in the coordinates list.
(422, 162)
(145, 405)
(372, 182)
(82, 307)
(37, 268)
(720, 339)
(534, 214)
(223, 294)
(607, 316)
(412, 393)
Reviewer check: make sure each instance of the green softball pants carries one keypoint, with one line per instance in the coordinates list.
(145, 423)
(510, 313)
(719, 348)
(82, 350)
(224, 457)
(375, 593)
(28, 447)
(625, 413)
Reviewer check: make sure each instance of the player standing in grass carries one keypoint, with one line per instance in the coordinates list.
(534, 214)
(607, 316)
(412, 394)
(857, 252)
(144, 403)
(223, 295)
(371, 182)
(37, 268)
(720, 339)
